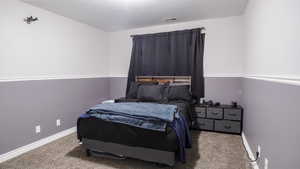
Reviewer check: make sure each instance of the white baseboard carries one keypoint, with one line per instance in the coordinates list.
(34, 145)
(249, 151)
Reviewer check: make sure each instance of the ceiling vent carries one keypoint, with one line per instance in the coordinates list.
(171, 19)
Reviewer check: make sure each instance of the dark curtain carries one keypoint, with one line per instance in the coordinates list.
(178, 53)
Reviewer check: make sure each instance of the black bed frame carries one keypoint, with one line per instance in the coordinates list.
(141, 153)
(123, 151)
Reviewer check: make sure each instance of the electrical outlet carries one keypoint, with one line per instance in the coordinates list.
(259, 151)
(58, 122)
(37, 129)
(266, 163)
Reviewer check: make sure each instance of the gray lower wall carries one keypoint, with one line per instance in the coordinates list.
(271, 119)
(117, 87)
(221, 89)
(25, 104)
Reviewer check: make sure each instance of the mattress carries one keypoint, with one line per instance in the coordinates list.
(97, 129)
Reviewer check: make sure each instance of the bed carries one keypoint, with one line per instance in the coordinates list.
(122, 140)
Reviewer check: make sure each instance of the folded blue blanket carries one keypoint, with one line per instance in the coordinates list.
(144, 115)
(147, 110)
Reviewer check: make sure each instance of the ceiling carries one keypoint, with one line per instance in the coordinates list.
(113, 15)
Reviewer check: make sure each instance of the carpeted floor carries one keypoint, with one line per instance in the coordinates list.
(210, 151)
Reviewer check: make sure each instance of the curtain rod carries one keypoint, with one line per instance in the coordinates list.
(202, 28)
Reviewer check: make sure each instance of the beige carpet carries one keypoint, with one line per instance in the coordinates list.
(210, 151)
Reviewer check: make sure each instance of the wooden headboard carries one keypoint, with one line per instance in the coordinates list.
(172, 80)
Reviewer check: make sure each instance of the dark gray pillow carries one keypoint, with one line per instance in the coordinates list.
(134, 86)
(179, 93)
(132, 93)
(150, 93)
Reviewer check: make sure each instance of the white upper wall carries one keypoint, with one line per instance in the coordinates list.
(273, 38)
(58, 47)
(224, 45)
(116, 15)
(54, 47)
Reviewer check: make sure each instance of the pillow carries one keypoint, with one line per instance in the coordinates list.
(132, 93)
(150, 93)
(134, 86)
(179, 93)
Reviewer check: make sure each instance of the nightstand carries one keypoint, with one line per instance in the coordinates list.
(223, 118)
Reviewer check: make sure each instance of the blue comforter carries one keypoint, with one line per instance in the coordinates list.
(144, 115)
(148, 116)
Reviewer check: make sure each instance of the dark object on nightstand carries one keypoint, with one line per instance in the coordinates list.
(234, 104)
(208, 103)
(222, 118)
(217, 104)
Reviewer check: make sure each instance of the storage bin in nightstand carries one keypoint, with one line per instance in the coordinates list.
(224, 118)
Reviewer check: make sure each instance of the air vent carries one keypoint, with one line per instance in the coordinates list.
(171, 19)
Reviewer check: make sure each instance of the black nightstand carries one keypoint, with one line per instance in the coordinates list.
(224, 118)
